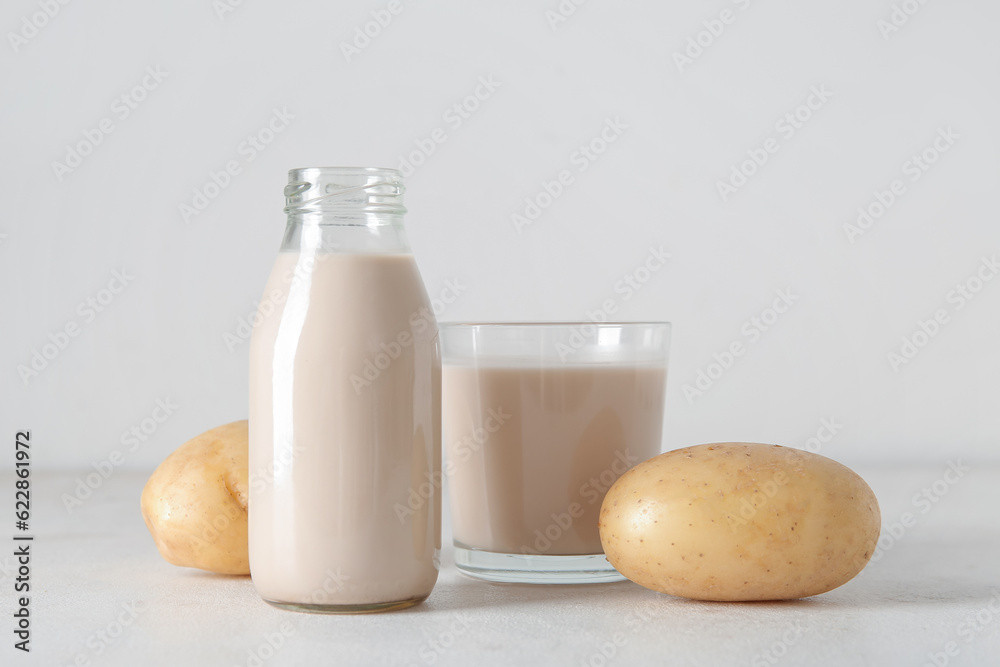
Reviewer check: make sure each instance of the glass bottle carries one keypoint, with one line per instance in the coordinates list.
(345, 390)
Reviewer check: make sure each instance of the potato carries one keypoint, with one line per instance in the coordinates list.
(739, 521)
(195, 503)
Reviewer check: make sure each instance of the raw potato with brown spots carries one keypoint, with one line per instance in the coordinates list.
(739, 521)
(195, 504)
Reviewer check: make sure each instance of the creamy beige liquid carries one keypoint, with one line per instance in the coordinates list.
(532, 452)
(344, 432)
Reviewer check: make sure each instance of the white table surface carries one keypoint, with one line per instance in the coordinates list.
(89, 568)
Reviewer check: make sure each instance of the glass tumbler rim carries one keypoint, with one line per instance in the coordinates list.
(569, 323)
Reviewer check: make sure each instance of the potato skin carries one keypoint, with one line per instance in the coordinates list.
(195, 503)
(740, 521)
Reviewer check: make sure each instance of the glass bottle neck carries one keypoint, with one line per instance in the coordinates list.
(313, 233)
(345, 210)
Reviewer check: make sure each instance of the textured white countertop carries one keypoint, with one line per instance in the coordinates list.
(102, 595)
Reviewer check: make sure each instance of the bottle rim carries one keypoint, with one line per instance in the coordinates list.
(344, 190)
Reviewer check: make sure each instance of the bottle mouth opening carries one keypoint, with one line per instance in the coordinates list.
(343, 190)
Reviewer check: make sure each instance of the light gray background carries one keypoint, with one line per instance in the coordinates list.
(163, 337)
